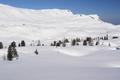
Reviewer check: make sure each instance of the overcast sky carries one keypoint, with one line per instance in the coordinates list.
(108, 10)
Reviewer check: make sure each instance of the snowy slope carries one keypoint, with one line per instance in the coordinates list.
(48, 24)
(70, 63)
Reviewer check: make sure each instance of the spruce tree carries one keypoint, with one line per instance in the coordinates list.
(13, 44)
(58, 44)
(1, 45)
(39, 43)
(66, 41)
(63, 44)
(77, 39)
(84, 43)
(19, 45)
(73, 42)
(22, 43)
(54, 43)
(12, 53)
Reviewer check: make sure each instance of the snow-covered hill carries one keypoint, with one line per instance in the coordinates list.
(98, 62)
(48, 24)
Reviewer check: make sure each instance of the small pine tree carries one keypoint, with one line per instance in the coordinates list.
(63, 44)
(12, 53)
(106, 37)
(43, 45)
(13, 44)
(22, 43)
(73, 42)
(54, 44)
(90, 42)
(84, 43)
(58, 44)
(1, 45)
(19, 45)
(77, 39)
(51, 44)
(38, 44)
(66, 40)
(88, 39)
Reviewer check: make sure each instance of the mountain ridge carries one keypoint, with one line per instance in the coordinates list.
(46, 24)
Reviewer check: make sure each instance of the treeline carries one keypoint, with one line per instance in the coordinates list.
(13, 44)
(87, 41)
(75, 41)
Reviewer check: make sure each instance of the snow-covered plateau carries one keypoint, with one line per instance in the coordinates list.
(98, 62)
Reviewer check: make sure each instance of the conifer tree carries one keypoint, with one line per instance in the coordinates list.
(84, 43)
(12, 53)
(13, 44)
(1, 45)
(66, 41)
(22, 43)
(63, 44)
(73, 42)
(38, 44)
(19, 45)
(57, 44)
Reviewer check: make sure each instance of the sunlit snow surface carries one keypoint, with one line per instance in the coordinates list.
(71, 63)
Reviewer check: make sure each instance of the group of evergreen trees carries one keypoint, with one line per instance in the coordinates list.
(60, 43)
(106, 37)
(88, 41)
(75, 41)
(22, 44)
(12, 52)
